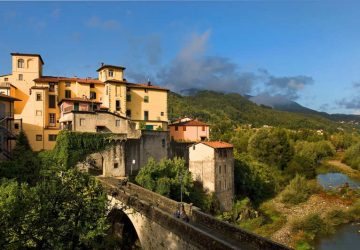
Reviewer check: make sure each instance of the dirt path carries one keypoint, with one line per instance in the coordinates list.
(317, 203)
(344, 168)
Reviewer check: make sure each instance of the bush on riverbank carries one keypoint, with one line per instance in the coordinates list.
(298, 190)
(352, 156)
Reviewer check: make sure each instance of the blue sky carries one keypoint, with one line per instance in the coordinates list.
(308, 52)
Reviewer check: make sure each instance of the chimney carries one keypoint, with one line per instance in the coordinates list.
(102, 64)
(149, 83)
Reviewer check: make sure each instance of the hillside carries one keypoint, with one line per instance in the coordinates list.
(283, 104)
(232, 109)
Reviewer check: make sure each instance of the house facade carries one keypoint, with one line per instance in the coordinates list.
(106, 104)
(189, 130)
(9, 127)
(212, 164)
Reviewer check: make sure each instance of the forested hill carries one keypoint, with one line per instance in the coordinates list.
(233, 109)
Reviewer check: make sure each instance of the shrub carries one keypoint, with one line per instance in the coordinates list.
(352, 156)
(313, 225)
(298, 190)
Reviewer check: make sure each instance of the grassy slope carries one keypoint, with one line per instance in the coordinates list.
(215, 107)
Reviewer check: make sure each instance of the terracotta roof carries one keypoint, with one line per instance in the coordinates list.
(25, 54)
(70, 79)
(189, 123)
(217, 144)
(110, 66)
(78, 99)
(8, 98)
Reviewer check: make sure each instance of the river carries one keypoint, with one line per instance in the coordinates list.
(347, 237)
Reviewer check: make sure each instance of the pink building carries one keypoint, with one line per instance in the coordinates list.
(189, 130)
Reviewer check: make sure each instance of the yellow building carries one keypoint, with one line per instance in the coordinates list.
(41, 97)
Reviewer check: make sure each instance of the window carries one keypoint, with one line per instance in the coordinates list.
(116, 165)
(6, 79)
(128, 113)
(184, 128)
(146, 115)
(21, 77)
(219, 185)
(146, 98)
(67, 93)
(203, 128)
(111, 73)
(225, 184)
(117, 105)
(38, 137)
(163, 143)
(220, 169)
(176, 128)
(52, 137)
(51, 101)
(128, 97)
(38, 113)
(38, 97)
(52, 119)
(92, 95)
(20, 63)
(16, 126)
(92, 85)
(117, 123)
(51, 87)
(162, 113)
(67, 84)
(145, 90)
(82, 121)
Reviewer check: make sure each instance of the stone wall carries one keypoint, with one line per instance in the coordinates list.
(157, 228)
(153, 144)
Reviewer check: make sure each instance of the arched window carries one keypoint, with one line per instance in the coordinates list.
(20, 63)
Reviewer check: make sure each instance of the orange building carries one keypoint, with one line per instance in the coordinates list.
(191, 130)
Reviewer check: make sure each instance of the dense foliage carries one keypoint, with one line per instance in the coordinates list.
(352, 156)
(165, 177)
(298, 190)
(48, 206)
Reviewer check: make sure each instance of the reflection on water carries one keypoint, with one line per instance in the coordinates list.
(333, 180)
(346, 238)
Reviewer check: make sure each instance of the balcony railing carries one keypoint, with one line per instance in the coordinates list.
(5, 84)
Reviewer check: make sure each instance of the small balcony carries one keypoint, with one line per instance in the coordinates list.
(5, 84)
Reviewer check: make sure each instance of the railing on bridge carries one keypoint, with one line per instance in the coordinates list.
(204, 230)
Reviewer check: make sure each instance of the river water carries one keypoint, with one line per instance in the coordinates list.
(334, 180)
(347, 237)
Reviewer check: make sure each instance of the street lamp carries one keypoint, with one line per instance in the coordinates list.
(181, 179)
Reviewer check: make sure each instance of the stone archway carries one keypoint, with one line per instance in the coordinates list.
(122, 233)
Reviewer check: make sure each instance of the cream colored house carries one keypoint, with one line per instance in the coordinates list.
(212, 164)
(115, 98)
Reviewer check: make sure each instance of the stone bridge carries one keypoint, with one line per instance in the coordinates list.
(152, 217)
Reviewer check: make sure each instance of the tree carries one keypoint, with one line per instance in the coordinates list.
(63, 211)
(271, 146)
(25, 165)
(164, 177)
(254, 179)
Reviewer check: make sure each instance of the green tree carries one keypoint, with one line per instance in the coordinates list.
(24, 165)
(164, 177)
(64, 211)
(254, 179)
(271, 146)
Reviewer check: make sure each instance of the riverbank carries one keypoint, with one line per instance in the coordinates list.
(301, 226)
